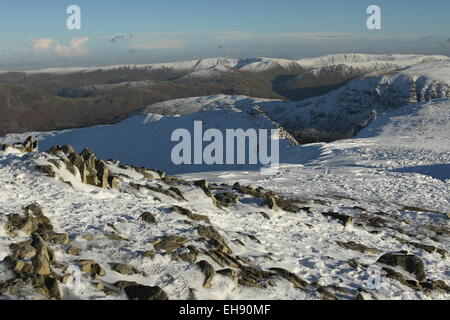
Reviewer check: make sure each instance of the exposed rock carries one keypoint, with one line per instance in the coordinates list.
(291, 277)
(148, 217)
(47, 170)
(271, 203)
(223, 259)
(409, 263)
(208, 271)
(252, 277)
(227, 198)
(229, 273)
(30, 144)
(149, 254)
(73, 251)
(92, 267)
(135, 291)
(102, 173)
(12, 286)
(43, 258)
(357, 247)
(397, 276)
(427, 248)
(169, 243)
(123, 268)
(343, 219)
(210, 232)
(114, 236)
(16, 222)
(54, 237)
(188, 254)
(23, 250)
(190, 214)
(113, 182)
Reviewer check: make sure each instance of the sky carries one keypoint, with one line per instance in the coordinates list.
(34, 33)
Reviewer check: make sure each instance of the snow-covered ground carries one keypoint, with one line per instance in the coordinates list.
(210, 66)
(396, 170)
(335, 210)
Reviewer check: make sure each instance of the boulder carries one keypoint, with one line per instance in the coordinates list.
(208, 270)
(409, 263)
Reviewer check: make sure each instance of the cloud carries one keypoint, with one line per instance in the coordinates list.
(119, 36)
(52, 46)
(427, 38)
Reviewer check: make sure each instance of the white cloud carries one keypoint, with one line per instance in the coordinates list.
(52, 46)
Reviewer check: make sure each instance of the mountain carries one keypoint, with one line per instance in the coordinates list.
(362, 218)
(42, 99)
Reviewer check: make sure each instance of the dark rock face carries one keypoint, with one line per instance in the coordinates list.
(141, 292)
(208, 271)
(409, 263)
(148, 217)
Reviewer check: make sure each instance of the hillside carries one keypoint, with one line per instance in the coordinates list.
(316, 229)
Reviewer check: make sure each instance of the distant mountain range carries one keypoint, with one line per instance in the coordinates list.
(77, 97)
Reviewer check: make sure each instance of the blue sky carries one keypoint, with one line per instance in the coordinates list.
(34, 33)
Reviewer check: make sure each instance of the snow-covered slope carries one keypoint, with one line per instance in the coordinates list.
(347, 110)
(345, 212)
(206, 67)
(146, 140)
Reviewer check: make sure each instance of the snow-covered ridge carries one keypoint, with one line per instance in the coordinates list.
(373, 62)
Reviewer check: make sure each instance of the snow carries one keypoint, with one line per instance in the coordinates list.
(400, 160)
(206, 67)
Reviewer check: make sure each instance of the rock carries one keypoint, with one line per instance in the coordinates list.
(41, 264)
(12, 286)
(409, 263)
(21, 268)
(223, 259)
(437, 285)
(208, 270)
(16, 222)
(343, 219)
(357, 247)
(23, 250)
(169, 243)
(210, 232)
(265, 215)
(149, 254)
(113, 182)
(427, 248)
(73, 251)
(47, 170)
(114, 236)
(123, 268)
(271, 203)
(52, 289)
(148, 217)
(43, 258)
(102, 173)
(30, 144)
(256, 278)
(190, 214)
(54, 237)
(188, 254)
(326, 294)
(135, 291)
(230, 273)
(397, 276)
(291, 277)
(92, 267)
(227, 198)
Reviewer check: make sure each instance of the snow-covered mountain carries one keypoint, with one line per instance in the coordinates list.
(334, 216)
(207, 67)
